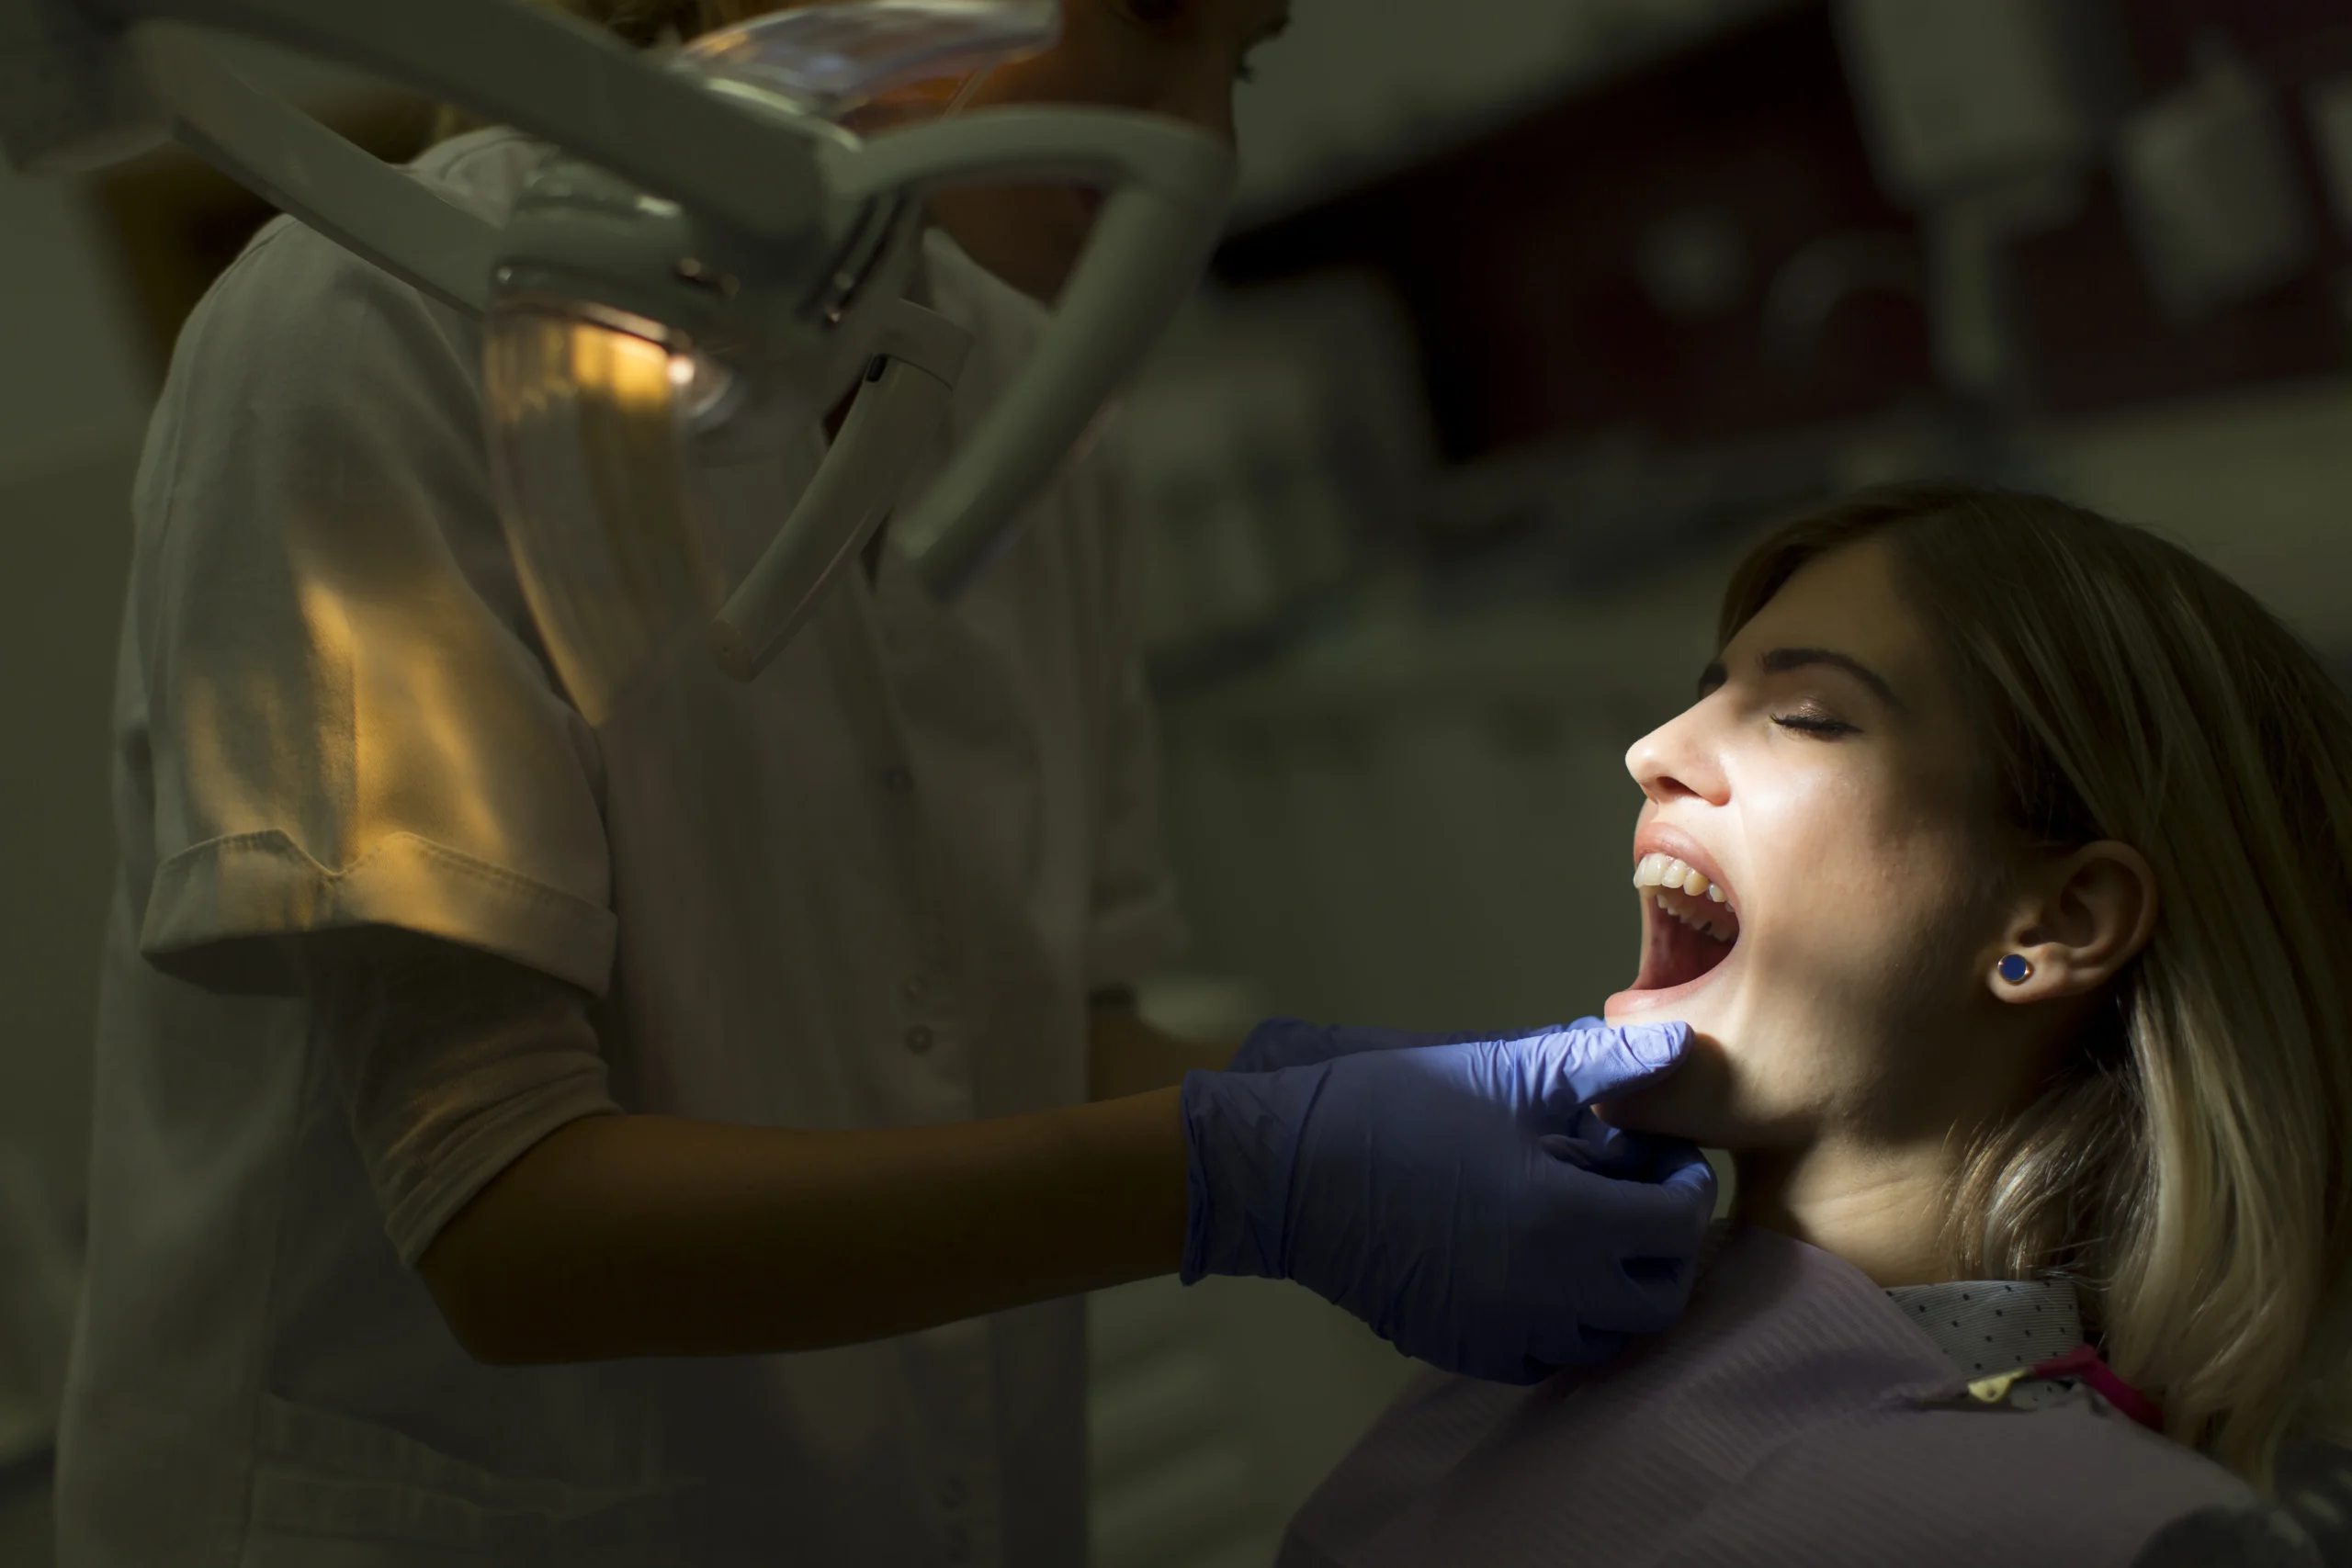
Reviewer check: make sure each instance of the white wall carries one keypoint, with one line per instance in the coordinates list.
(74, 394)
(73, 399)
(2260, 484)
(70, 373)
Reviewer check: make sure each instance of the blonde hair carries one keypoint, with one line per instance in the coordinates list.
(2186, 1166)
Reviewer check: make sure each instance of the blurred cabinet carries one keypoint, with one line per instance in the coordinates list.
(1216, 1409)
(1271, 447)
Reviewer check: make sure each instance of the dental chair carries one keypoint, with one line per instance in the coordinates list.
(2315, 1488)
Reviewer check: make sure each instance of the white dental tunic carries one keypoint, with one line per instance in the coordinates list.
(873, 889)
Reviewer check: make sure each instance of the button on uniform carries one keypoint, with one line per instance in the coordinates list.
(920, 1039)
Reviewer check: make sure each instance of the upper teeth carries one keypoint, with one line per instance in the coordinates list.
(1665, 871)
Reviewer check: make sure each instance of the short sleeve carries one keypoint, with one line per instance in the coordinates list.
(1137, 924)
(452, 1063)
(331, 694)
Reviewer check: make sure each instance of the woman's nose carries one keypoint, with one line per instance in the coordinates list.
(1674, 762)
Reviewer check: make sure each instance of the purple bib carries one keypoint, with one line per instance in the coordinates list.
(1793, 1420)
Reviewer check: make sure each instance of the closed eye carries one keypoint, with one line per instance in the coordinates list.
(1824, 728)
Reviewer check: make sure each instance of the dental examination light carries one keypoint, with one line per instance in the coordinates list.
(716, 253)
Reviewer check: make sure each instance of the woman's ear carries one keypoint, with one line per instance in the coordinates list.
(2094, 913)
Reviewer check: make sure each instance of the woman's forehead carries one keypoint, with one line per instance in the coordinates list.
(1848, 601)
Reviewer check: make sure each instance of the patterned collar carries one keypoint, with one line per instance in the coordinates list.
(1990, 1328)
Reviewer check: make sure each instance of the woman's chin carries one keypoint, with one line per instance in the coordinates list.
(1693, 1103)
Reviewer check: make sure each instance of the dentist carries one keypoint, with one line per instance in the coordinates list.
(497, 1162)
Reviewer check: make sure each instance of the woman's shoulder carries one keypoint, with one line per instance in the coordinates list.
(2075, 1471)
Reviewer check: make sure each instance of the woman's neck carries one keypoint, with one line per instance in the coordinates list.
(1881, 1210)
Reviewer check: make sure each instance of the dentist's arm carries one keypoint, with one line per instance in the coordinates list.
(1415, 1188)
(651, 1236)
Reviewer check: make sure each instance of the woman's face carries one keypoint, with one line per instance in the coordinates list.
(1177, 58)
(1825, 788)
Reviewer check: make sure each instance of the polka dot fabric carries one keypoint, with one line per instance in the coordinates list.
(1991, 1327)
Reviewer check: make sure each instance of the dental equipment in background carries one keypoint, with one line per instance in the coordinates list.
(717, 251)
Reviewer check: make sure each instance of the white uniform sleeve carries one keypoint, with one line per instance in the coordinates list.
(452, 1065)
(1137, 925)
(346, 718)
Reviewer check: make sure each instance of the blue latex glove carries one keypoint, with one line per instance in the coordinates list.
(1441, 1194)
(1595, 1146)
(1280, 1043)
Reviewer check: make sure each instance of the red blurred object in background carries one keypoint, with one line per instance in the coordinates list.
(1701, 249)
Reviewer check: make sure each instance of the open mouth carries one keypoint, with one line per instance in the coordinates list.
(1690, 924)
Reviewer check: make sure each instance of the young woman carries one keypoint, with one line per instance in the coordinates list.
(2004, 869)
(670, 1143)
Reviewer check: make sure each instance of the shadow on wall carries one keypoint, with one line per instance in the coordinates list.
(59, 611)
(69, 522)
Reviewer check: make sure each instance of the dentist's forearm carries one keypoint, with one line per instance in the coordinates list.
(643, 1236)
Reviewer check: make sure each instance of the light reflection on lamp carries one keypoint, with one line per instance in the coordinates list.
(589, 422)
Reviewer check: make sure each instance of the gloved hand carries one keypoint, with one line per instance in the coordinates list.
(1593, 1145)
(1280, 1043)
(1440, 1193)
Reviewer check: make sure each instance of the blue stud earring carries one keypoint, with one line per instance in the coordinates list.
(2014, 969)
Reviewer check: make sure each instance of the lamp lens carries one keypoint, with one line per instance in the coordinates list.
(589, 426)
(871, 64)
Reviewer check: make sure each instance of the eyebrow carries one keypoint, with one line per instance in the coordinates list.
(1781, 661)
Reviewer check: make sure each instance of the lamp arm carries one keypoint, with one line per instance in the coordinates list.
(1166, 190)
(553, 77)
(382, 213)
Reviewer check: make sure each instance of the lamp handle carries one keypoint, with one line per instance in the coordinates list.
(1166, 189)
(904, 395)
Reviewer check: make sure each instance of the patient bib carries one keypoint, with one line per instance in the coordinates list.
(1795, 1415)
